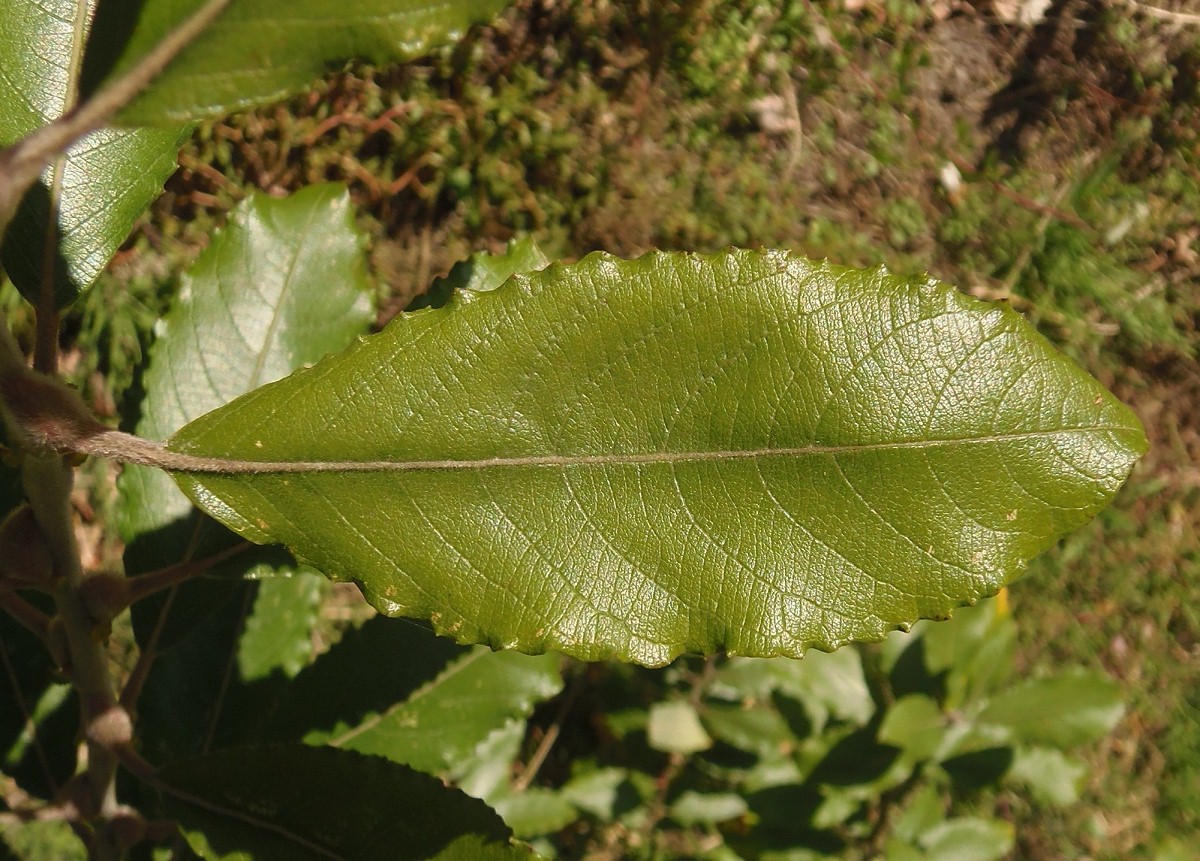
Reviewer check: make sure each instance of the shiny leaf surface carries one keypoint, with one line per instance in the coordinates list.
(231, 66)
(680, 453)
(280, 286)
(83, 209)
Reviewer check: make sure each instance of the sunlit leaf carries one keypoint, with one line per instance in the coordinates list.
(757, 729)
(680, 453)
(70, 223)
(1071, 709)
(967, 839)
(1052, 777)
(230, 66)
(442, 722)
(535, 812)
(278, 633)
(675, 727)
(280, 286)
(694, 808)
(602, 793)
(915, 724)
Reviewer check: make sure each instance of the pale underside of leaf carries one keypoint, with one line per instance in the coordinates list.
(281, 285)
(748, 452)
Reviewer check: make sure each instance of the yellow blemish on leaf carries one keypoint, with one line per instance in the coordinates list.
(1011, 516)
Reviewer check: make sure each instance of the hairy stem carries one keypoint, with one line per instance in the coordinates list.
(48, 481)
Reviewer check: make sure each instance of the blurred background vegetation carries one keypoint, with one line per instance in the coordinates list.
(1041, 153)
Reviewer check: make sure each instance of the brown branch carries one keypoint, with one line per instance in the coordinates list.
(145, 585)
(26, 615)
(547, 743)
(141, 670)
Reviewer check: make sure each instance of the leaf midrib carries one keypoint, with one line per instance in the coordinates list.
(234, 466)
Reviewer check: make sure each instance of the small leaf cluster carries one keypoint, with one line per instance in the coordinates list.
(892, 750)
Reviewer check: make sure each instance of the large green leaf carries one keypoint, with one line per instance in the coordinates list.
(747, 451)
(87, 201)
(294, 803)
(282, 285)
(257, 51)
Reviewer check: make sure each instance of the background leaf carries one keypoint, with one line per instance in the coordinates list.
(482, 272)
(535, 812)
(283, 284)
(1052, 777)
(967, 839)
(230, 67)
(40, 715)
(297, 803)
(674, 727)
(194, 700)
(829, 684)
(89, 199)
(43, 759)
(394, 689)
(640, 458)
(441, 724)
(1063, 711)
(278, 634)
(370, 669)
